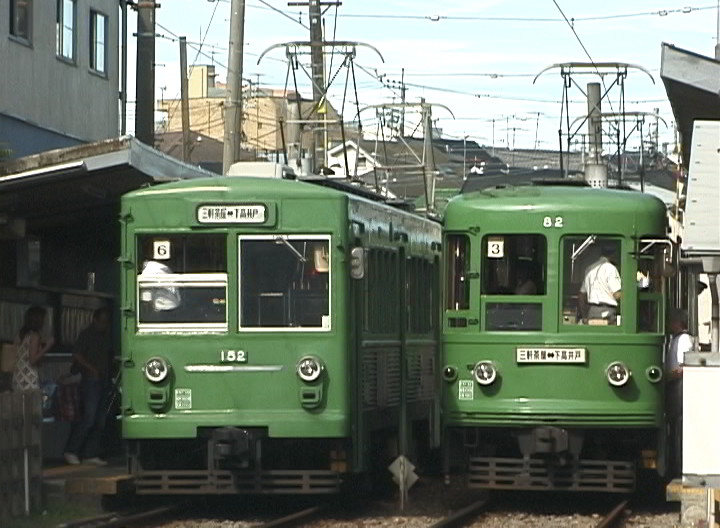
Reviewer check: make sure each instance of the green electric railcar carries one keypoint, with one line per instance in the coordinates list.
(539, 392)
(277, 335)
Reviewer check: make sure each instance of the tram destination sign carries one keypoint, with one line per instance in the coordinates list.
(551, 355)
(232, 214)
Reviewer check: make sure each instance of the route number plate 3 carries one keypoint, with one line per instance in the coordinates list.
(233, 356)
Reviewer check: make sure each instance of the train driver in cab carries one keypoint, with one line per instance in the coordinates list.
(601, 289)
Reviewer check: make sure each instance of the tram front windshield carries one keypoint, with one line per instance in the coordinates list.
(285, 282)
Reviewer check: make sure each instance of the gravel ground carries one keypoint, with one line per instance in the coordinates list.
(431, 501)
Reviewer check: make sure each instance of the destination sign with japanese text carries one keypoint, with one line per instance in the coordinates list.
(232, 214)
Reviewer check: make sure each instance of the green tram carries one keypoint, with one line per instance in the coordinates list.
(540, 393)
(278, 336)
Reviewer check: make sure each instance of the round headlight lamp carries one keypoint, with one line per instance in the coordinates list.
(485, 372)
(156, 369)
(310, 368)
(618, 374)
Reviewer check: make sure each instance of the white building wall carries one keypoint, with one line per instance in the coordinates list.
(43, 90)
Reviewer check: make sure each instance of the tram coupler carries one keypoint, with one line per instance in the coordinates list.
(550, 441)
(232, 443)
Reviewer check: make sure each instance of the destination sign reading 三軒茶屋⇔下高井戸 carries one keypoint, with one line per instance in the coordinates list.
(550, 355)
(231, 214)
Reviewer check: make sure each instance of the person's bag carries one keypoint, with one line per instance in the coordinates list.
(68, 402)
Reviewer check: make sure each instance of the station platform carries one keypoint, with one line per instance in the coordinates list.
(87, 483)
(699, 506)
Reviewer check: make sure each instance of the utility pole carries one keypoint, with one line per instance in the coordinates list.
(403, 89)
(124, 61)
(317, 63)
(233, 95)
(257, 115)
(595, 170)
(145, 72)
(185, 105)
(717, 33)
(429, 157)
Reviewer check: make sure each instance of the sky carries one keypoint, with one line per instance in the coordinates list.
(479, 59)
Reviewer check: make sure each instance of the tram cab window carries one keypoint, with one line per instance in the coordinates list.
(653, 259)
(515, 267)
(592, 286)
(458, 268)
(181, 282)
(285, 282)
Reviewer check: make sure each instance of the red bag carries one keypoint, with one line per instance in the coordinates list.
(68, 402)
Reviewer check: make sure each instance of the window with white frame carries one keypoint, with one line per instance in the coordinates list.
(20, 19)
(65, 29)
(285, 282)
(98, 42)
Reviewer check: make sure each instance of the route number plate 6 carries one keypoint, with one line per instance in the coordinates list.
(233, 356)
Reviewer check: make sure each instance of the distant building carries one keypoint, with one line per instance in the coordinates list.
(394, 166)
(266, 113)
(59, 85)
(205, 152)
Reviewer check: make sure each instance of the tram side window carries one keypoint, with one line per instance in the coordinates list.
(285, 282)
(458, 268)
(181, 280)
(592, 287)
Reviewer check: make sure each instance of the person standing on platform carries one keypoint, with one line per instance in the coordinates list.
(679, 344)
(30, 349)
(92, 355)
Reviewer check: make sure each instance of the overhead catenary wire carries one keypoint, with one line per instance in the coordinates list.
(202, 47)
(471, 18)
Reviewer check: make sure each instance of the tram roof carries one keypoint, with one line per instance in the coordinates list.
(314, 187)
(568, 198)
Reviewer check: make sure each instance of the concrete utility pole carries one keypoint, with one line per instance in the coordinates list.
(124, 61)
(595, 170)
(184, 100)
(429, 159)
(145, 73)
(403, 89)
(317, 62)
(233, 97)
(717, 33)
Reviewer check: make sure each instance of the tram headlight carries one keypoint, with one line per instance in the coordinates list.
(156, 369)
(310, 368)
(485, 372)
(618, 374)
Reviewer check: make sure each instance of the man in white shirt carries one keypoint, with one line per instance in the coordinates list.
(601, 289)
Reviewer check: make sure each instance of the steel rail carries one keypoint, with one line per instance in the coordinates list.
(119, 519)
(460, 517)
(612, 517)
(293, 518)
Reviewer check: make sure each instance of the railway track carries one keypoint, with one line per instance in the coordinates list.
(122, 519)
(615, 517)
(462, 516)
(142, 518)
